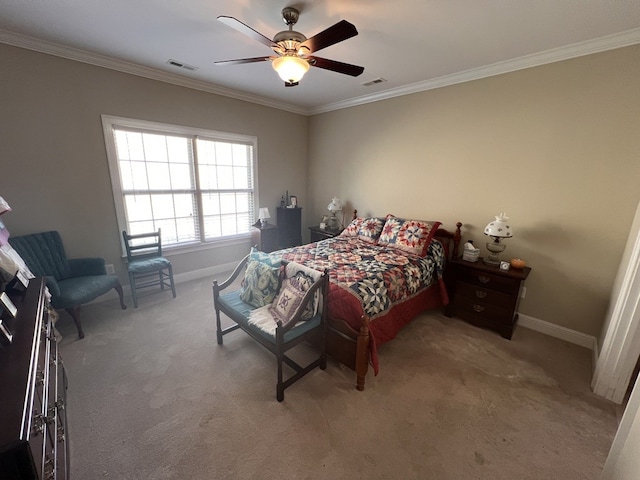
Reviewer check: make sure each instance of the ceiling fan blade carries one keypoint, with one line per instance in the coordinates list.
(246, 29)
(332, 35)
(334, 66)
(240, 61)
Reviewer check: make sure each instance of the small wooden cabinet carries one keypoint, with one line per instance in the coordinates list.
(289, 227)
(484, 295)
(265, 238)
(318, 234)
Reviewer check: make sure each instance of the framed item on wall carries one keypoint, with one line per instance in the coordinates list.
(294, 201)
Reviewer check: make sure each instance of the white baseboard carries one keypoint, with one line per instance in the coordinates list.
(558, 331)
(212, 272)
(205, 272)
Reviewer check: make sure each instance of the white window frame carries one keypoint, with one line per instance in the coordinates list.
(108, 124)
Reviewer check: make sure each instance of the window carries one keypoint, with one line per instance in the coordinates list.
(197, 185)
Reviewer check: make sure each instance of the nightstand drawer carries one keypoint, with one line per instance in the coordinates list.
(469, 308)
(483, 295)
(489, 281)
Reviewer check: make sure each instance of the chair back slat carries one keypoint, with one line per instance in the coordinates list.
(143, 245)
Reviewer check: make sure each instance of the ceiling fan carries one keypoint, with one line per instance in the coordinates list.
(293, 50)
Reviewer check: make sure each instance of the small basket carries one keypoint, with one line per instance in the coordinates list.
(469, 255)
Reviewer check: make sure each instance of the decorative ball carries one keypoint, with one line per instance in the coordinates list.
(518, 263)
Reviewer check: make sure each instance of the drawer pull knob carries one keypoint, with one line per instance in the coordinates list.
(49, 471)
(484, 279)
(60, 432)
(481, 293)
(37, 425)
(478, 308)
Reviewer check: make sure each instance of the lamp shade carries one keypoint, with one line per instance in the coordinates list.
(335, 205)
(291, 69)
(499, 228)
(263, 213)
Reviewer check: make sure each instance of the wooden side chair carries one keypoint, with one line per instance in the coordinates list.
(145, 263)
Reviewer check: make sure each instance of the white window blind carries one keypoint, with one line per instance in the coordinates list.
(198, 186)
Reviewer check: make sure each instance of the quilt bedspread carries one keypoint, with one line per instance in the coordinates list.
(373, 279)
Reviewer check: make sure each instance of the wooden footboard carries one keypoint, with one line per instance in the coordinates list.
(350, 347)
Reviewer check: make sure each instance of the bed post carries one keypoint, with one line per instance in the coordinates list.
(362, 353)
(457, 237)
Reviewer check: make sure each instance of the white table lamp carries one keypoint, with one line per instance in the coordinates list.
(263, 215)
(498, 229)
(333, 207)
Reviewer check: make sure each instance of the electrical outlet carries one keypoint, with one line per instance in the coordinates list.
(523, 292)
(110, 268)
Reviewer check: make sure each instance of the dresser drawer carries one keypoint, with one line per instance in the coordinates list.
(489, 281)
(483, 295)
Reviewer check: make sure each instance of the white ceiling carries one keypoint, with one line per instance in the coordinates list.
(413, 44)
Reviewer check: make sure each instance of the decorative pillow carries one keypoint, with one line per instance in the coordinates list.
(370, 229)
(300, 278)
(269, 259)
(412, 236)
(260, 284)
(352, 228)
(288, 301)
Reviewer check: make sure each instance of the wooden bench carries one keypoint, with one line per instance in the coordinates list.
(286, 336)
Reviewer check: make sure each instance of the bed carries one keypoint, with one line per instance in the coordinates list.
(383, 271)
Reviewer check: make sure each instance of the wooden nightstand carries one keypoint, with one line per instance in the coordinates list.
(484, 295)
(266, 238)
(318, 234)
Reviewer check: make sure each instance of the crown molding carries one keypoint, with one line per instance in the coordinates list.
(50, 48)
(609, 42)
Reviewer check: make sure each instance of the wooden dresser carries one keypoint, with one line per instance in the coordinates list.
(289, 227)
(33, 443)
(484, 295)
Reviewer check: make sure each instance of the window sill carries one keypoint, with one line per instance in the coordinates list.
(169, 251)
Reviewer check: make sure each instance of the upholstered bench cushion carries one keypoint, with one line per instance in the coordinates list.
(148, 265)
(78, 290)
(239, 311)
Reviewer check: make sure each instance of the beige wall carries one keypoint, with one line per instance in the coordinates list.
(556, 147)
(53, 165)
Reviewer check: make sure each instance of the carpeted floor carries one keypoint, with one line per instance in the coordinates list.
(152, 396)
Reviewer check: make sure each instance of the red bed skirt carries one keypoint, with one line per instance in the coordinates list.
(343, 305)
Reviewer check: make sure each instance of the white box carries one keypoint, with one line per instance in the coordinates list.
(471, 255)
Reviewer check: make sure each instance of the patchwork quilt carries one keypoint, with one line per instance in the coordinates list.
(373, 279)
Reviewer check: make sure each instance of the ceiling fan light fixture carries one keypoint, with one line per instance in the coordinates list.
(291, 69)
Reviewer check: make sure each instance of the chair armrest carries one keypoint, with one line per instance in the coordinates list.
(87, 266)
(52, 285)
(219, 287)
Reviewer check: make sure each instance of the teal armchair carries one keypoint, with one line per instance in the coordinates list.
(71, 282)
